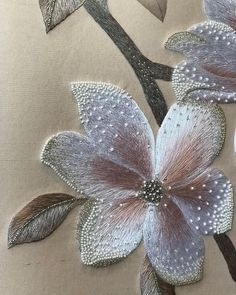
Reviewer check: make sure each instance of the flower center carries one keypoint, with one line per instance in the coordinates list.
(152, 191)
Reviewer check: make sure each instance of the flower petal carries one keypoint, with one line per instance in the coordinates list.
(222, 11)
(214, 96)
(112, 118)
(210, 70)
(207, 43)
(108, 232)
(207, 202)
(217, 55)
(78, 161)
(174, 249)
(190, 137)
(185, 42)
(190, 80)
(219, 45)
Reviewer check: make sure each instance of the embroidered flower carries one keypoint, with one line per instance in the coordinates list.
(163, 192)
(209, 71)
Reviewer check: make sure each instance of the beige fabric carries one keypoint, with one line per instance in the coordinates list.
(35, 72)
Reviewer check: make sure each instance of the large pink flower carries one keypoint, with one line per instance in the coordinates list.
(163, 192)
(209, 71)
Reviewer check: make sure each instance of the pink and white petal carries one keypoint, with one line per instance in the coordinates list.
(210, 70)
(108, 232)
(191, 136)
(213, 96)
(213, 32)
(187, 43)
(79, 163)
(208, 43)
(219, 48)
(174, 249)
(112, 118)
(207, 202)
(221, 11)
(189, 78)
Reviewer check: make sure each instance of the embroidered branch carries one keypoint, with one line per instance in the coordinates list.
(146, 71)
(228, 250)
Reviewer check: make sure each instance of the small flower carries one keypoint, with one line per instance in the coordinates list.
(163, 192)
(209, 71)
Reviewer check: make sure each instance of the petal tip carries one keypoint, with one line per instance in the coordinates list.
(46, 149)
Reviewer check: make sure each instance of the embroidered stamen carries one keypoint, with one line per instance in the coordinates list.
(152, 191)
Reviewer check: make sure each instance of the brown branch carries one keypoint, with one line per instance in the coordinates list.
(146, 71)
(229, 252)
(159, 71)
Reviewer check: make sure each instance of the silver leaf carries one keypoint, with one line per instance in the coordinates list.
(55, 11)
(156, 7)
(40, 218)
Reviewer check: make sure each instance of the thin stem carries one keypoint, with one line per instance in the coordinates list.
(146, 71)
(229, 252)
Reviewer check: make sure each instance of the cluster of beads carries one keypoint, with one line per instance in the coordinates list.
(152, 191)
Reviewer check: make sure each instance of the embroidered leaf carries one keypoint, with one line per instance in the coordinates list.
(55, 11)
(40, 218)
(149, 279)
(156, 7)
(151, 284)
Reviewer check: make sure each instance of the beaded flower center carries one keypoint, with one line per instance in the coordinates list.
(152, 191)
